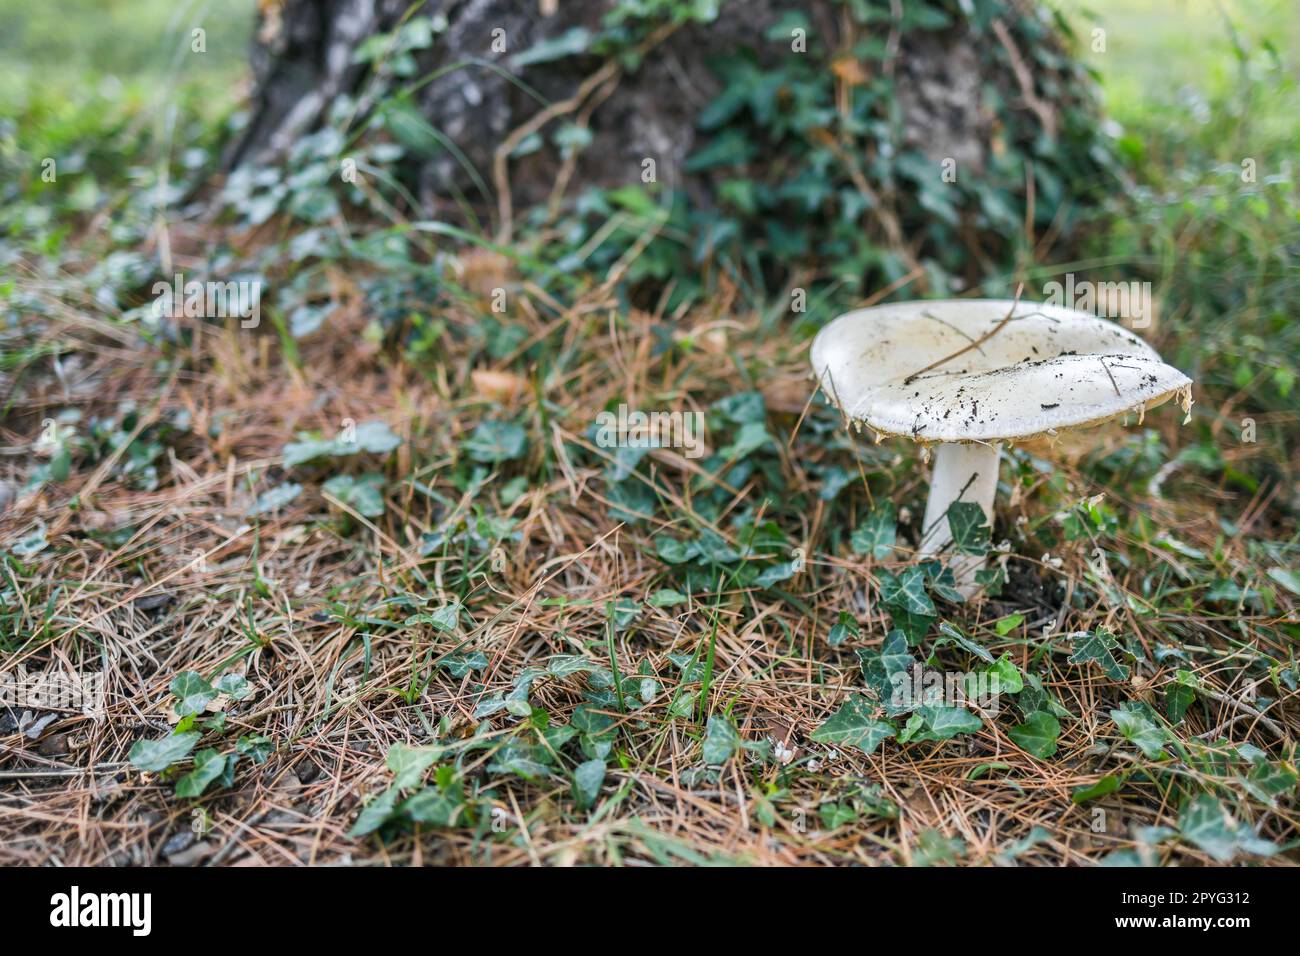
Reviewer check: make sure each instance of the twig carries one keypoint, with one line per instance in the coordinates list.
(974, 344)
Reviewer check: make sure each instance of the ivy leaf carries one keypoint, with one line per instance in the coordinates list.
(1037, 735)
(157, 755)
(408, 764)
(933, 849)
(1141, 730)
(494, 442)
(905, 590)
(885, 672)
(1205, 823)
(777, 573)
(1007, 678)
(939, 722)
(1179, 695)
(523, 760)
(877, 534)
(853, 726)
(193, 693)
(375, 437)
(275, 498)
(364, 495)
(375, 814)
(443, 619)
(667, 597)
(587, 780)
(970, 529)
(461, 665)
(1106, 785)
(844, 628)
(1097, 646)
(208, 766)
(954, 634)
(234, 686)
(1017, 848)
(255, 746)
(432, 805)
(913, 626)
(720, 741)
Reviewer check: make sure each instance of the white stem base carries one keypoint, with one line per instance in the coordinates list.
(962, 472)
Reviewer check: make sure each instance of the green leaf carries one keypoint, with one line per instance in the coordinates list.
(234, 686)
(1286, 577)
(1007, 678)
(933, 849)
(954, 634)
(1106, 785)
(777, 573)
(208, 766)
(876, 535)
(844, 628)
(720, 741)
(1037, 735)
(460, 665)
(969, 526)
(939, 722)
(364, 495)
(1205, 823)
(886, 670)
(408, 764)
(254, 746)
(913, 626)
(156, 756)
(853, 726)
(905, 590)
(375, 814)
(193, 693)
(587, 780)
(667, 597)
(573, 41)
(1268, 781)
(374, 437)
(1097, 646)
(521, 759)
(1140, 730)
(433, 805)
(495, 441)
(1017, 848)
(1179, 695)
(443, 619)
(275, 498)
(1008, 624)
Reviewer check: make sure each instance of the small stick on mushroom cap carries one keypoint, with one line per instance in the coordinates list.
(970, 374)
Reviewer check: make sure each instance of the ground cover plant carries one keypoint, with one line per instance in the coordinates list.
(363, 582)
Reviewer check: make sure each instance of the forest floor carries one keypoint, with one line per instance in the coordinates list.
(338, 623)
(366, 589)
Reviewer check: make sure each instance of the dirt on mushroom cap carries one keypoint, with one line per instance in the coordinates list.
(1045, 369)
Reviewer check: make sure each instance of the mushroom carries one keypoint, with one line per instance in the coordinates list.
(970, 374)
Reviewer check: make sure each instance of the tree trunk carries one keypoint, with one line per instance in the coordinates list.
(955, 82)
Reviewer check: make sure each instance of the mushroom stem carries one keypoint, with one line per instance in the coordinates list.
(962, 472)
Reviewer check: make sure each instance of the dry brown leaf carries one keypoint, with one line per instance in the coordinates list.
(498, 386)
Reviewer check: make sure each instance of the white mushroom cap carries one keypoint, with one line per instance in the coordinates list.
(1047, 368)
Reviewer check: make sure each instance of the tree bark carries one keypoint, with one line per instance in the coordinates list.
(303, 62)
